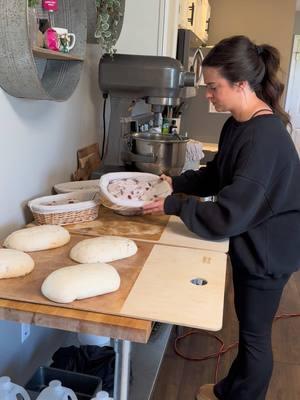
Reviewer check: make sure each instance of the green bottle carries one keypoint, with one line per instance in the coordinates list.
(165, 126)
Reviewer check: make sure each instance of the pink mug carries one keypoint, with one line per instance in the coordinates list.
(50, 5)
(51, 40)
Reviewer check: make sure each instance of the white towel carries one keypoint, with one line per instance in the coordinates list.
(194, 150)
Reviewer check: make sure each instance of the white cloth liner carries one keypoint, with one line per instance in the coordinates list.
(83, 200)
(67, 187)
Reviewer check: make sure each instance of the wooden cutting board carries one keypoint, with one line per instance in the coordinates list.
(158, 229)
(143, 227)
(164, 292)
(177, 234)
(27, 288)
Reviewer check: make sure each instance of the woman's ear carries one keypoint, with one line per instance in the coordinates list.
(242, 85)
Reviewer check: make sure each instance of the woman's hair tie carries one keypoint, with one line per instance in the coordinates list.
(259, 50)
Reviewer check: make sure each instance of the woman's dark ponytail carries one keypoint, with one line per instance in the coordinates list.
(271, 88)
(238, 59)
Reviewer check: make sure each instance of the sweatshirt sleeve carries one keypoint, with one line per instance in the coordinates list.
(204, 182)
(240, 206)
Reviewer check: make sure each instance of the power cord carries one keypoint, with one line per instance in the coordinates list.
(222, 350)
(105, 95)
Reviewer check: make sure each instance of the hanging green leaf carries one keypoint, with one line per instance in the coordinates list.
(108, 18)
(33, 3)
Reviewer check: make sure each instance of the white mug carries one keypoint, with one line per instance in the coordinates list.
(61, 32)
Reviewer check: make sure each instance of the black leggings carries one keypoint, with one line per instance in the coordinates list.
(251, 371)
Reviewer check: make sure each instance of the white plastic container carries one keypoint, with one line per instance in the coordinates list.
(55, 391)
(9, 390)
(102, 396)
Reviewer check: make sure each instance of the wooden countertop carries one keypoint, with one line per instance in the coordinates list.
(22, 301)
(56, 317)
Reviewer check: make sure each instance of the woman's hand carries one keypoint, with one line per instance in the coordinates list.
(168, 179)
(155, 207)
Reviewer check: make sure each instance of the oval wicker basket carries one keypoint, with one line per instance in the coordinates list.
(56, 209)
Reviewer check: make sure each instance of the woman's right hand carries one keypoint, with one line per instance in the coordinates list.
(168, 179)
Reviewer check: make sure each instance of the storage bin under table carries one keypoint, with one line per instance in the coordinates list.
(84, 386)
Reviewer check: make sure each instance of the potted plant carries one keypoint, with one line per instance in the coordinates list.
(109, 23)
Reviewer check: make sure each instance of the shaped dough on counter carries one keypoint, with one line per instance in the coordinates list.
(80, 281)
(14, 263)
(103, 249)
(38, 238)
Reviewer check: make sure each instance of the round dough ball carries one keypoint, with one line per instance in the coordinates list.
(42, 237)
(103, 249)
(80, 281)
(14, 263)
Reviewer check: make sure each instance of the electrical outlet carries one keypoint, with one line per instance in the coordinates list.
(25, 332)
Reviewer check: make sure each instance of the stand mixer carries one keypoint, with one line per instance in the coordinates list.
(159, 82)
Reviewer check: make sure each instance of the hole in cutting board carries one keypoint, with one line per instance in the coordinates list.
(199, 281)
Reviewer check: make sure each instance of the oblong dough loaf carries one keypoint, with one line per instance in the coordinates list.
(42, 237)
(14, 263)
(80, 281)
(103, 249)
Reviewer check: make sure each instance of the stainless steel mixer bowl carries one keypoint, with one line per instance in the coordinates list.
(168, 152)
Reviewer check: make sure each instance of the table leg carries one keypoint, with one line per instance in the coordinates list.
(122, 369)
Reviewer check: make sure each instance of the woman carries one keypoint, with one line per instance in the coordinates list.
(256, 177)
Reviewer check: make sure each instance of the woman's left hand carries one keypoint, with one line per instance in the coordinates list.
(155, 207)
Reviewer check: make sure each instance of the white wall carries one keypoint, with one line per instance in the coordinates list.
(149, 28)
(141, 28)
(39, 140)
(20, 361)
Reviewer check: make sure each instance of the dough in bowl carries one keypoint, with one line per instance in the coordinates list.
(37, 238)
(14, 263)
(80, 281)
(103, 249)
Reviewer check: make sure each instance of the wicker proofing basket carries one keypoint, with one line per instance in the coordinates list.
(85, 209)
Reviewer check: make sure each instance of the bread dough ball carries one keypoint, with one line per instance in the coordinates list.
(14, 263)
(42, 237)
(103, 249)
(80, 281)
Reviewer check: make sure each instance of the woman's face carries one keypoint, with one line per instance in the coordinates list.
(224, 95)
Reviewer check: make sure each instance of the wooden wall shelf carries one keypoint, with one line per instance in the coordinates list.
(40, 52)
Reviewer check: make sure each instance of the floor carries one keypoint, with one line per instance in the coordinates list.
(179, 379)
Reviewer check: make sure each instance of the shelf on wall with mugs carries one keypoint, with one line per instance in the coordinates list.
(27, 69)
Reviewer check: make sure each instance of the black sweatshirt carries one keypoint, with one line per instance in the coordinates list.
(256, 177)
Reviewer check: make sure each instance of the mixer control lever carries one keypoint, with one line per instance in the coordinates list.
(187, 79)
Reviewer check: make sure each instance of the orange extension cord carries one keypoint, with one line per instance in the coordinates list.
(222, 350)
